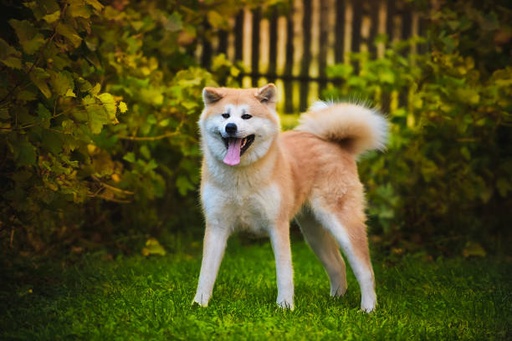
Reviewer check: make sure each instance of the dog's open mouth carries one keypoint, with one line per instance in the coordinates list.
(236, 148)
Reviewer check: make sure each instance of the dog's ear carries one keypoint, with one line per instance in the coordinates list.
(211, 95)
(267, 94)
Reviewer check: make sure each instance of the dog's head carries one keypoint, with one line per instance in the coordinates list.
(238, 126)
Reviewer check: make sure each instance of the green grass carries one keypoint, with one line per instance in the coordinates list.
(137, 298)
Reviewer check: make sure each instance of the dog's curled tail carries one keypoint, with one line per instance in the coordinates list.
(355, 127)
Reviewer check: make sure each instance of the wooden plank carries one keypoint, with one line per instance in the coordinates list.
(255, 44)
(294, 49)
(239, 36)
(357, 17)
(206, 56)
(288, 87)
(306, 55)
(222, 46)
(340, 32)
(390, 6)
(325, 28)
(374, 9)
(272, 65)
(406, 17)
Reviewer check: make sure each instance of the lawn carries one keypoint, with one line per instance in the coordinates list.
(149, 298)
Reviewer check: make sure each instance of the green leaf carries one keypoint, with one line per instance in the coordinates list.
(9, 56)
(29, 37)
(387, 76)
(40, 78)
(62, 82)
(40, 8)
(95, 4)
(145, 152)
(53, 17)
(152, 96)
(504, 186)
(184, 185)
(69, 33)
(4, 114)
(340, 71)
(174, 22)
(95, 89)
(44, 115)
(96, 114)
(109, 103)
(468, 95)
(26, 95)
(216, 19)
(130, 157)
(151, 165)
(25, 118)
(78, 10)
(52, 142)
(24, 151)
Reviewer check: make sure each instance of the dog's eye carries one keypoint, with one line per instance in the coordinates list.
(225, 115)
(246, 116)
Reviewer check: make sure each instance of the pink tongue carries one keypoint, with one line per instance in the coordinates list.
(232, 158)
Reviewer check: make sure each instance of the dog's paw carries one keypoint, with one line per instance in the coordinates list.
(196, 304)
(368, 306)
(338, 291)
(286, 305)
(200, 301)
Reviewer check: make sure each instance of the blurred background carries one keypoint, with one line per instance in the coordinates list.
(99, 102)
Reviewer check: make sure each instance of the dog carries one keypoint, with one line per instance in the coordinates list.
(257, 178)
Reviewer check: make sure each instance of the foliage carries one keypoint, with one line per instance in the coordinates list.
(98, 112)
(446, 178)
(99, 103)
(148, 298)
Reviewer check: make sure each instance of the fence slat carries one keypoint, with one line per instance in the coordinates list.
(294, 49)
(339, 50)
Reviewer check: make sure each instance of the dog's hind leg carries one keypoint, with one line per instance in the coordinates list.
(347, 226)
(215, 241)
(326, 249)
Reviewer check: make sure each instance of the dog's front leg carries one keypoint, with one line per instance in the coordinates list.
(280, 239)
(215, 240)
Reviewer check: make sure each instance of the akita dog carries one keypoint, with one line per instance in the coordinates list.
(257, 178)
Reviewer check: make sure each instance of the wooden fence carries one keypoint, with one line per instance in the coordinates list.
(292, 48)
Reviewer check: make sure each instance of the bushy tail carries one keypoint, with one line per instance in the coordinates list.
(355, 127)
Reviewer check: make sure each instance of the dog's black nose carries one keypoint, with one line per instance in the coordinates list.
(231, 128)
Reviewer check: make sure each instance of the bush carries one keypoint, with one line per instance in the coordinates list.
(446, 179)
(99, 104)
(98, 112)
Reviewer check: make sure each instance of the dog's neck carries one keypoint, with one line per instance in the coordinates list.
(245, 175)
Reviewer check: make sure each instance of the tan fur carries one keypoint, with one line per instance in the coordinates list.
(309, 173)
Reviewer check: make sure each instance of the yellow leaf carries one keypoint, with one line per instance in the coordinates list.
(474, 249)
(122, 107)
(95, 4)
(70, 33)
(153, 247)
(53, 17)
(70, 93)
(95, 89)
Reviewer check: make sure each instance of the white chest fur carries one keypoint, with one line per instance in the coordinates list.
(241, 206)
